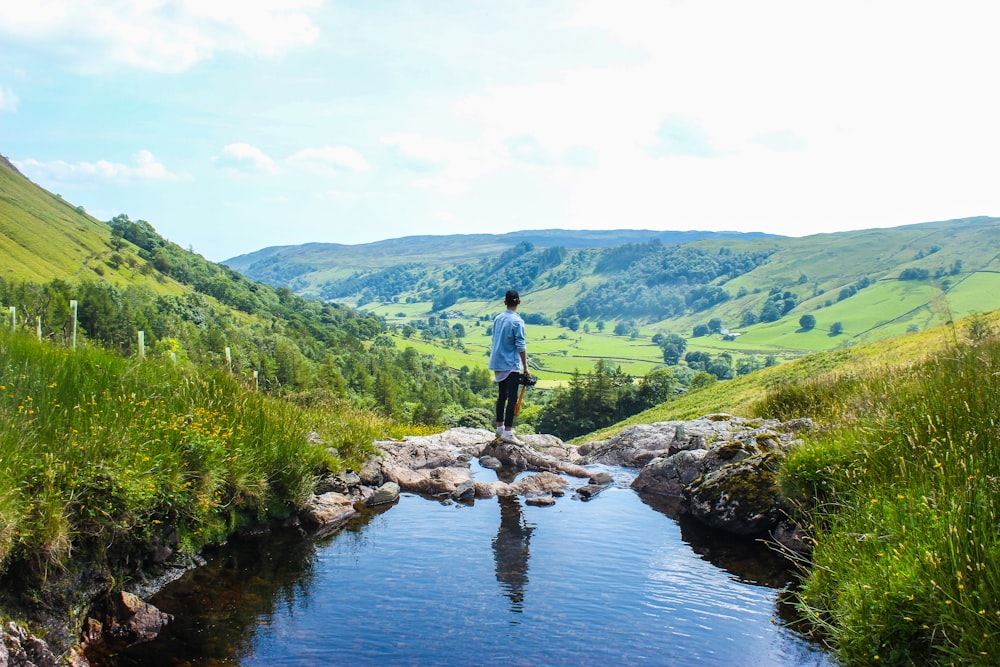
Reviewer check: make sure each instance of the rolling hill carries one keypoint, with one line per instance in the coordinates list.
(858, 286)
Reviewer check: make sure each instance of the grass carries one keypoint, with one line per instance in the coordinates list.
(898, 489)
(100, 455)
(901, 496)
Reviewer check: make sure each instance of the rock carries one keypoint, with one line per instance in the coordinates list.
(543, 483)
(792, 537)
(524, 457)
(328, 511)
(671, 475)
(132, 621)
(588, 491)
(634, 447)
(551, 446)
(540, 501)
(741, 498)
(601, 478)
(719, 466)
(384, 495)
(465, 491)
(371, 471)
(342, 482)
(490, 462)
(19, 648)
(435, 482)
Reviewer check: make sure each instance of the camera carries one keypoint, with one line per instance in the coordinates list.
(528, 380)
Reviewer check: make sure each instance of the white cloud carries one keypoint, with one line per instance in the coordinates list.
(8, 100)
(158, 35)
(327, 158)
(145, 168)
(340, 195)
(245, 158)
(421, 152)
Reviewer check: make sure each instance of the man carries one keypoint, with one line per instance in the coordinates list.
(508, 359)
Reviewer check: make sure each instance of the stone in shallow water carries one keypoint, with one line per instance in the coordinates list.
(385, 494)
(540, 501)
(588, 491)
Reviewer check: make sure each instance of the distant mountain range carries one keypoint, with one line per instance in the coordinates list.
(875, 282)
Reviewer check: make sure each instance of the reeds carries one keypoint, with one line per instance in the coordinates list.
(901, 495)
(107, 455)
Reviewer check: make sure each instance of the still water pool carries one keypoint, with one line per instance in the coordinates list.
(609, 581)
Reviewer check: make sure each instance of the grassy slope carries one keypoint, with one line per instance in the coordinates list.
(42, 237)
(739, 396)
(829, 262)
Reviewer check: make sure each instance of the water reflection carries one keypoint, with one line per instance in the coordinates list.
(511, 551)
(611, 582)
(220, 607)
(748, 560)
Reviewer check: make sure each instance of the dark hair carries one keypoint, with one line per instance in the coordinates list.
(512, 298)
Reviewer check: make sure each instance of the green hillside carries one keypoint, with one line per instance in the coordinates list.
(859, 286)
(42, 236)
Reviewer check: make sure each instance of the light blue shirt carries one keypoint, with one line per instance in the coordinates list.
(508, 342)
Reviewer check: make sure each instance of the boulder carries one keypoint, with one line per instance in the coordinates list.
(328, 511)
(741, 498)
(19, 648)
(131, 621)
(670, 476)
(721, 467)
(543, 483)
(525, 457)
(384, 495)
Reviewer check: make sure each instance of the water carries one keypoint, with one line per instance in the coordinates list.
(613, 580)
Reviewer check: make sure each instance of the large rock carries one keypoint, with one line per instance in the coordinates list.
(721, 467)
(386, 494)
(741, 498)
(19, 648)
(670, 476)
(540, 484)
(130, 620)
(524, 457)
(328, 512)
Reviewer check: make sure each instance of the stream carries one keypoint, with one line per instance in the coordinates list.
(614, 580)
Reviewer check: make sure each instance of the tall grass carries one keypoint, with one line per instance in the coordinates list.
(105, 455)
(901, 495)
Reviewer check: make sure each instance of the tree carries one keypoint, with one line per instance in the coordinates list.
(700, 330)
(836, 328)
(807, 321)
(673, 347)
(715, 325)
(701, 380)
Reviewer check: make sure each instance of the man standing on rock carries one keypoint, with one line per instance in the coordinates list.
(508, 356)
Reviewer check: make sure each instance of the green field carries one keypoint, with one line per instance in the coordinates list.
(886, 309)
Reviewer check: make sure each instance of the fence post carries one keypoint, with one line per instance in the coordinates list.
(38, 327)
(229, 360)
(74, 306)
(13, 317)
(142, 344)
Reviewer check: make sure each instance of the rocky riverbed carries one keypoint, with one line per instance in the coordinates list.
(719, 468)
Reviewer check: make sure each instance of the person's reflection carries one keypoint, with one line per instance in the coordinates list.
(510, 550)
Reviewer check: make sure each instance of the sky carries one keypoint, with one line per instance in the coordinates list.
(234, 125)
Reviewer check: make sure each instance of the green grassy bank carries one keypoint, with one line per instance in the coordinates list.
(103, 459)
(901, 498)
(898, 489)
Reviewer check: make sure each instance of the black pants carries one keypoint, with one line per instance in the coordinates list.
(507, 399)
